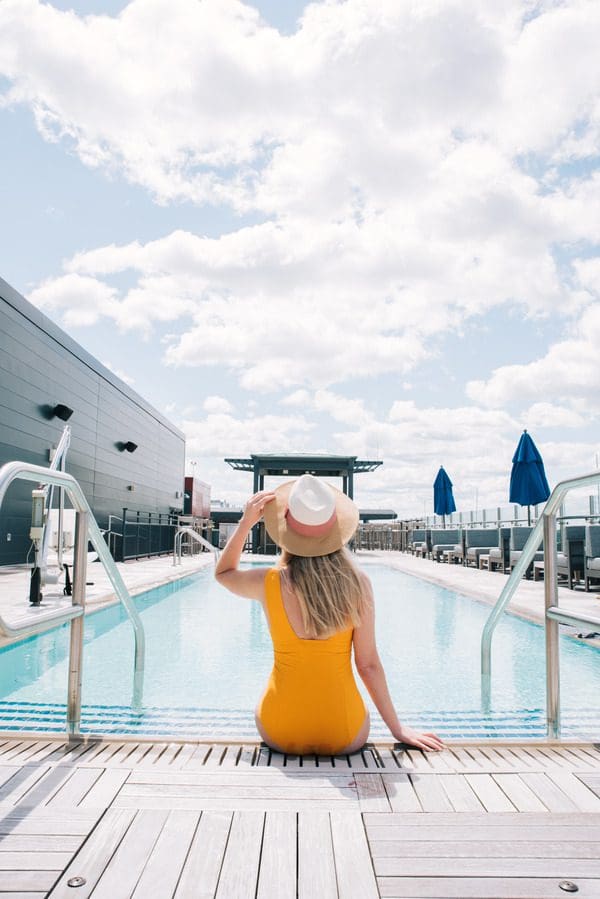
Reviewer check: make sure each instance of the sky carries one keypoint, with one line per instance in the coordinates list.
(368, 227)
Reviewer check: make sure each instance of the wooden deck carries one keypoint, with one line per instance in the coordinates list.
(157, 820)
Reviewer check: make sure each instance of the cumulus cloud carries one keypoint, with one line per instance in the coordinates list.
(387, 147)
(217, 404)
(570, 371)
(410, 168)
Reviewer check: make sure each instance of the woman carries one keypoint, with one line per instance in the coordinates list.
(319, 607)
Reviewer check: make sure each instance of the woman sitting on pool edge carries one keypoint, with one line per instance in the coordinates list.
(318, 607)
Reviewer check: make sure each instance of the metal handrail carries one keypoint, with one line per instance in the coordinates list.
(545, 530)
(177, 543)
(86, 528)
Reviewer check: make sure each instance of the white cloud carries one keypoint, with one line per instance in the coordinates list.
(570, 371)
(549, 415)
(387, 145)
(217, 404)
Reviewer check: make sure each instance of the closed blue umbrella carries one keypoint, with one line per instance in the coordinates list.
(443, 500)
(528, 484)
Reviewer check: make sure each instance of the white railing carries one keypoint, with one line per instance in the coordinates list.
(39, 620)
(545, 530)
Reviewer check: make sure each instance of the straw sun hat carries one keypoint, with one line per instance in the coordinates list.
(309, 517)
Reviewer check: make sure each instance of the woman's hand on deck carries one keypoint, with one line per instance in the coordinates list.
(427, 742)
(253, 509)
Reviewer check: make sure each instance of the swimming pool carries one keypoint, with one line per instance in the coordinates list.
(209, 655)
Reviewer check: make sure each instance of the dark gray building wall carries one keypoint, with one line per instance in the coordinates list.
(41, 366)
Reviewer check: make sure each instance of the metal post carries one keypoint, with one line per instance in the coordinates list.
(551, 629)
(122, 559)
(76, 641)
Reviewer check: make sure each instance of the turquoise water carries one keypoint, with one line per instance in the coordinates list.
(209, 654)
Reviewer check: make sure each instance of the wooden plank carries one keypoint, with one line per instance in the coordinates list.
(161, 874)
(197, 760)
(562, 819)
(430, 792)
(230, 758)
(233, 803)
(401, 794)
(8, 771)
(550, 794)
(153, 755)
(95, 854)
(239, 873)
(20, 782)
(40, 823)
(371, 792)
(186, 750)
(247, 756)
(459, 792)
(75, 788)
(213, 758)
(126, 864)
(47, 786)
(355, 876)
(13, 881)
(23, 842)
(470, 832)
(278, 861)
(244, 777)
(249, 790)
(316, 865)
(105, 788)
(571, 786)
(560, 868)
(202, 867)
(37, 860)
(475, 848)
(478, 888)
(489, 793)
(519, 793)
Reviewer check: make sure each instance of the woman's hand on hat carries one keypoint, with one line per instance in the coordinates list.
(253, 509)
(428, 742)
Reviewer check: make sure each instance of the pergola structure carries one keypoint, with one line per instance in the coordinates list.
(292, 465)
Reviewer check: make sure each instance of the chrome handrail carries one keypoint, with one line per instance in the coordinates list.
(87, 529)
(545, 530)
(177, 543)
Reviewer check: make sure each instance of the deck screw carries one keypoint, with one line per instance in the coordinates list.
(76, 882)
(568, 886)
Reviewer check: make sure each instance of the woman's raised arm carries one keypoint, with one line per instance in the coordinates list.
(243, 583)
(370, 669)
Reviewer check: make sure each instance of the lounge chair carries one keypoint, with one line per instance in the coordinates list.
(592, 554)
(500, 554)
(518, 538)
(418, 543)
(441, 541)
(479, 542)
(570, 561)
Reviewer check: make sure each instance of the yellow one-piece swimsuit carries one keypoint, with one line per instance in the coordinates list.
(311, 703)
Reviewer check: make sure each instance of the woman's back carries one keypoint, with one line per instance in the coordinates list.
(311, 703)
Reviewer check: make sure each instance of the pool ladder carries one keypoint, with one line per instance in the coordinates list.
(39, 620)
(545, 529)
(194, 535)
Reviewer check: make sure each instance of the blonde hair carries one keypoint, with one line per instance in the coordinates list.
(329, 591)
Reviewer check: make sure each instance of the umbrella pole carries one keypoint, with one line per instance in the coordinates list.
(529, 516)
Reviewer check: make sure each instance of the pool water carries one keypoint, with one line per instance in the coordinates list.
(209, 655)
